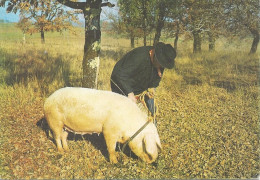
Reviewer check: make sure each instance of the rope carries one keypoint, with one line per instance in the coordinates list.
(151, 94)
(117, 86)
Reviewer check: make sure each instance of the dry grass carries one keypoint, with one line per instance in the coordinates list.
(208, 112)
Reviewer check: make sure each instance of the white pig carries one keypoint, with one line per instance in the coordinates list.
(83, 110)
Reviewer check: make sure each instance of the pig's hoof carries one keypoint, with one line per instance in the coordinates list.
(113, 160)
(66, 149)
(60, 150)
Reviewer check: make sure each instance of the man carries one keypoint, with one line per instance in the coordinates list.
(140, 69)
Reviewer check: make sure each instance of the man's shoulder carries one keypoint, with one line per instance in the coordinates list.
(143, 48)
(136, 56)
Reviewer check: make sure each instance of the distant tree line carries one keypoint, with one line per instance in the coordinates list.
(139, 18)
(4, 21)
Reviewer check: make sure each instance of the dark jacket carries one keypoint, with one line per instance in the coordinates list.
(134, 72)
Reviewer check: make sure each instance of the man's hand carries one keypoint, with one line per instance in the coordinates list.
(151, 93)
(132, 97)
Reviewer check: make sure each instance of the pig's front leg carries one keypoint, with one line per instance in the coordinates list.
(111, 140)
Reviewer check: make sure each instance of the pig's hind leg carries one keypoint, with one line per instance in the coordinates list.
(64, 140)
(56, 124)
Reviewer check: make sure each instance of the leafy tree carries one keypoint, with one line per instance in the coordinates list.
(195, 21)
(44, 16)
(174, 25)
(147, 9)
(243, 16)
(169, 14)
(160, 18)
(138, 15)
(214, 22)
(200, 17)
(24, 25)
(125, 22)
(91, 10)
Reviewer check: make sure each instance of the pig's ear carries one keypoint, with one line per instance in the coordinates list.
(150, 145)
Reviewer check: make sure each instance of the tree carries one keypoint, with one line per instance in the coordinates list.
(24, 25)
(138, 15)
(91, 10)
(146, 18)
(214, 22)
(44, 16)
(195, 21)
(202, 17)
(161, 13)
(174, 24)
(125, 22)
(243, 15)
(169, 12)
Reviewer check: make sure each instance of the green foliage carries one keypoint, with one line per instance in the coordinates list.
(138, 16)
(208, 114)
(195, 19)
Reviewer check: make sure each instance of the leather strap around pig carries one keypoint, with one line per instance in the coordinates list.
(132, 137)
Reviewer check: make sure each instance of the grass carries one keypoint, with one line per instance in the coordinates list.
(208, 118)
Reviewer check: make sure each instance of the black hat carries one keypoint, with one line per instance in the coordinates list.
(165, 55)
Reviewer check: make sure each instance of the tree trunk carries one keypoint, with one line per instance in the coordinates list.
(90, 62)
(255, 34)
(160, 23)
(144, 23)
(144, 38)
(212, 41)
(132, 38)
(176, 41)
(150, 39)
(42, 37)
(196, 41)
(177, 36)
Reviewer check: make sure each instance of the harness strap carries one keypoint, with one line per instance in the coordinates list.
(132, 137)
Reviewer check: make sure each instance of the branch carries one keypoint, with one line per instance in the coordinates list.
(54, 11)
(72, 4)
(2, 3)
(107, 4)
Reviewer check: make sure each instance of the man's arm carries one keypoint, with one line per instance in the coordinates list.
(130, 69)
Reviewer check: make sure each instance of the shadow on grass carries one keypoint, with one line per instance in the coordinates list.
(97, 140)
(36, 65)
(228, 85)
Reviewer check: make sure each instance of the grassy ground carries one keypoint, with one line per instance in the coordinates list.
(208, 112)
